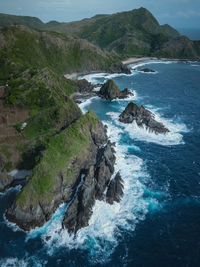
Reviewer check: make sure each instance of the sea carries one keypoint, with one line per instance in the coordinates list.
(157, 222)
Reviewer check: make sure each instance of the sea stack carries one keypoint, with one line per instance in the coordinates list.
(111, 91)
(143, 118)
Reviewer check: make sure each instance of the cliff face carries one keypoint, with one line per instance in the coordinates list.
(33, 107)
(74, 154)
(95, 179)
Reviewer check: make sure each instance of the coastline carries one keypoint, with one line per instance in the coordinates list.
(126, 62)
(133, 60)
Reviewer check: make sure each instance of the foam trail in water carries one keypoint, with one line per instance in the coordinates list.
(149, 62)
(56, 219)
(17, 188)
(174, 137)
(13, 262)
(12, 225)
(94, 78)
(86, 103)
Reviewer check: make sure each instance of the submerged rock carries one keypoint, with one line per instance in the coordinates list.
(115, 189)
(111, 91)
(147, 70)
(143, 117)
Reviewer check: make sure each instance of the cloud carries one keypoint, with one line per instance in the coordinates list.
(55, 4)
(188, 14)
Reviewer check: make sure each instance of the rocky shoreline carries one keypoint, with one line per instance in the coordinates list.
(84, 179)
(93, 164)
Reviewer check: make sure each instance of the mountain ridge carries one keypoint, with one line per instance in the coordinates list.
(130, 33)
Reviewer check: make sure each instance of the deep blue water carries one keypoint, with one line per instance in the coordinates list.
(158, 220)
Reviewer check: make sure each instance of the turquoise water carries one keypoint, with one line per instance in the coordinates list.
(157, 222)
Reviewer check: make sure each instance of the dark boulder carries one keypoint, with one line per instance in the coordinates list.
(111, 91)
(84, 86)
(143, 117)
(147, 70)
(115, 189)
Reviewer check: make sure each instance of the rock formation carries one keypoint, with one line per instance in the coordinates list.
(96, 178)
(111, 91)
(143, 117)
(75, 168)
(146, 70)
(115, 189)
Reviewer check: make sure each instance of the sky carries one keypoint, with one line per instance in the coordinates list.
(177, 13)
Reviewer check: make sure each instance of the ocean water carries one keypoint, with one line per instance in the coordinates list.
(157, 223)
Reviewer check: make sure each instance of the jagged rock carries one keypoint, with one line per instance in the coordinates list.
(84, 85)
(97, 177)
(111, 91)
(143, 117)
(79, 211)
(147, 70)
(5, 181)
(115, 189)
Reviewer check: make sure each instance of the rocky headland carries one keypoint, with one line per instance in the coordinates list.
(143, 117)
(41, 127)
(79, 154)
(111, 91)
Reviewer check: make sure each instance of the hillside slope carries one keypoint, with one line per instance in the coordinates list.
(131, 33)
(35, 101)
(21, 48)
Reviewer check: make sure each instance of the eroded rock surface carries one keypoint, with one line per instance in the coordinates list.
(111, 91)
(143, 118)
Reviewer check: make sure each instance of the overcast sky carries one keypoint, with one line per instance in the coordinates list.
(178, 13)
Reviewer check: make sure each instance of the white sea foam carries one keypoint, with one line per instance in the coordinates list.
(11, 189)
(149, 62)
(96, 89)
(13, 226)
(20, 174)
(174, 137)
(13, 262)
(86, 103)
(94, 77)
(101, 236)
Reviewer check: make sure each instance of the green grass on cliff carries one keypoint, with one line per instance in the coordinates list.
(63, 149)
(23, 48)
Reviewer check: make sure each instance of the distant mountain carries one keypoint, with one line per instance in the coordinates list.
(132, 33)
(193, 34)
(31, 22)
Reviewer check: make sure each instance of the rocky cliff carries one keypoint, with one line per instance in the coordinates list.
(79, 153)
